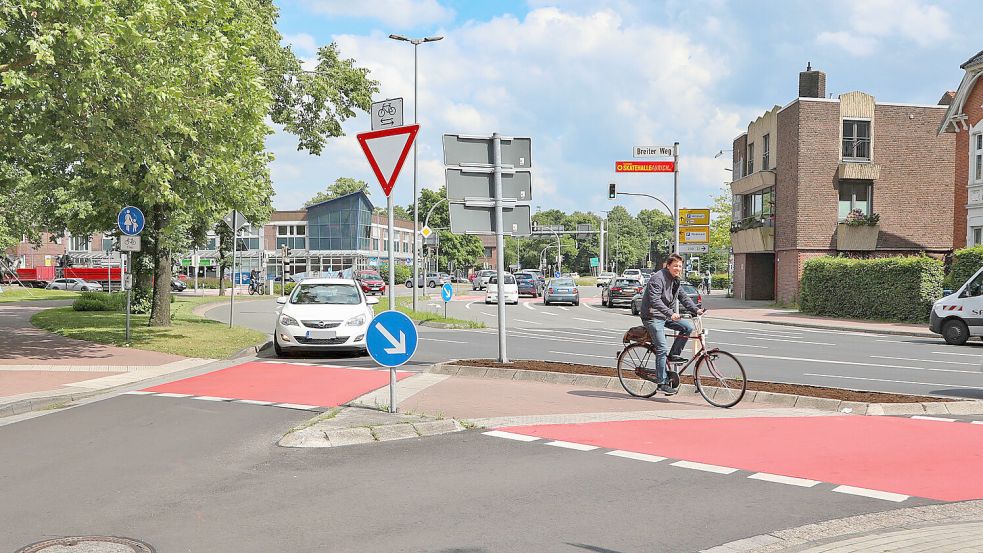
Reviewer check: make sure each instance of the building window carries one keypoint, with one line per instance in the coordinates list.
(977, 157)
(977, 236)
(758, 205)
(291, 236)
(766, 153)
(854, 195)
(750, 158)
(79, 244)
(856, 140)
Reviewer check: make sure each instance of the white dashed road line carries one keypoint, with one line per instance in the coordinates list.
(213, 398)
(524, 321)
(886, 496)
(563, 308)
(528, 305)
(925, 418)
(439, 340)
(511, 436)
(548, 313)
(299, 406)
(793, 341)
(138, 393)
(572, 445)
(636, 456)
(924, 360)
(254, 402)
(173, 395)
(586, 320)
(778, 478)
(611, 357)
(976, 355)
(704, 467)
(885, 380)
(716, 343)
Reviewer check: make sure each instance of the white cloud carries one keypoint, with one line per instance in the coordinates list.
(303, 44)
(400, 13)
(873, 21)
(856, 45)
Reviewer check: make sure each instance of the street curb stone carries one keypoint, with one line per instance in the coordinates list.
(967, 407)
(391, 432)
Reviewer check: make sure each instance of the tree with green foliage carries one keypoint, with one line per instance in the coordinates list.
(628, 240)
(342, 186)
(461, 249)
(721, 216)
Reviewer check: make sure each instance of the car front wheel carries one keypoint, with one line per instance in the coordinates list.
(276, 347)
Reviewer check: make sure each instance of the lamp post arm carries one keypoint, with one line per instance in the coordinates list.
(426, 220)
(671, 214)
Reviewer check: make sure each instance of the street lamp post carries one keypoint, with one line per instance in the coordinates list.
(416, 42)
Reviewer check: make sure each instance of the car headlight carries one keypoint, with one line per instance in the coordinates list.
(287, 320)
(357, 320)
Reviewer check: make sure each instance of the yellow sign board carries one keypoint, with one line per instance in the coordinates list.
(694, 217)
(426, 232)
(694, 235)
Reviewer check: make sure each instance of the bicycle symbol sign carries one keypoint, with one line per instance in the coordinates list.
(387, 114)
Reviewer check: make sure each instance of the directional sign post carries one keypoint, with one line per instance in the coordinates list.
(386, 151)
(391, 341)
(446, 294)
(236, 221)
(130, 221)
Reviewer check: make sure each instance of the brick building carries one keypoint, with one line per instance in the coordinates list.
(800, 169)
(964, 120)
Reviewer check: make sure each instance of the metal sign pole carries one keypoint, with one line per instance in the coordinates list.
(499, 248)
(675, 191)
(392, 257)
(232, 295)
(129, 288)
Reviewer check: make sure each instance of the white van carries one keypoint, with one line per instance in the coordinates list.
(959, 316)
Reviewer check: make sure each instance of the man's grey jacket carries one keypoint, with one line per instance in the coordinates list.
(659, 294)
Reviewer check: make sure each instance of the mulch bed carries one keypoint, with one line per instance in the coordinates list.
(776, 387)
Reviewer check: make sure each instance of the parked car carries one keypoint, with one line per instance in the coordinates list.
(481, 279)
(561, 290)
(371, 282)
(689, 289)
(323, 314)
(74, 284)
(604, 278)
(432, 280)
(178, 285)
(510, 287)
(620, 291)
(528, 285)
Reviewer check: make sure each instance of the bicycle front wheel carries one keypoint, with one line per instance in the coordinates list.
(720, 378)
(632, 364)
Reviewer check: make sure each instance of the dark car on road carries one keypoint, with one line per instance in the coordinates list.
(528, 285)
(620, 291)
(687, 288)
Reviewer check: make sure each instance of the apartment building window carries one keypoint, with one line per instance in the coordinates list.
(79, 244)
(375, 244)
(766, 153)
(977, 157)
(750, 158)
(855, 195)
(758, 205)
(856, 140)
(977, 236)
(291, 236)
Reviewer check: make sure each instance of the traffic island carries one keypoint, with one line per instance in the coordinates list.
(358, 425)
(772, 393)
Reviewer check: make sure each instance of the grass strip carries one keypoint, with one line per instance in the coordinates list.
(403, 305)
(12, 294)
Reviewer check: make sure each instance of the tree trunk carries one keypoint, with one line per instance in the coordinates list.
(160, 310)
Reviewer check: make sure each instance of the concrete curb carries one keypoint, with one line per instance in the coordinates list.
(313, 437)
(795, 539)
(968, 407)
(891, 332)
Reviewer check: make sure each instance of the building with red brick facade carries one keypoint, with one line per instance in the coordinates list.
(964, 120)
(800, 170)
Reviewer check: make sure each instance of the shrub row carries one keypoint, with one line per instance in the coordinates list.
(965, 263)
(895, 288)
(720, 281)
(100, 301)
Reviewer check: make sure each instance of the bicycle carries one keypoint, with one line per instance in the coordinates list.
(718, 375)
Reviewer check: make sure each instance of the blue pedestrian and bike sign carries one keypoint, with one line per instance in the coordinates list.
(391, 339)
(447, 292)
(130, 220)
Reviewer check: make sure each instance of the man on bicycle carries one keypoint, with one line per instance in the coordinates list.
(661, 293)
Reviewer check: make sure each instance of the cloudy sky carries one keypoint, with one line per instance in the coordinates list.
(590, 79)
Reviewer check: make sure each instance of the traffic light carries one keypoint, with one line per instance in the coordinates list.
(612, 193)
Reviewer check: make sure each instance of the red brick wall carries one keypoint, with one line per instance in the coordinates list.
(35, 256)
(817, 192)
(787, 180)
(789, 264)
(974, 113)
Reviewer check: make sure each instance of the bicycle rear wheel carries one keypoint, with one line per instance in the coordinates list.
(635, 359)
(720, 378)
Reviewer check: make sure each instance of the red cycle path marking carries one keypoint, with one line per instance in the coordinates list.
(283, 383)
(929, 459)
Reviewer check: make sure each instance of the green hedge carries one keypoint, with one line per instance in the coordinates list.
(100, 301)
(965, 263)
(895, 288)
(720, 281)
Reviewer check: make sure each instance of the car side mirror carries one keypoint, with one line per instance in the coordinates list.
(282, 300)
(371, 301)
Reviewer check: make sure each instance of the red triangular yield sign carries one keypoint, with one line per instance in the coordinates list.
(386, 151)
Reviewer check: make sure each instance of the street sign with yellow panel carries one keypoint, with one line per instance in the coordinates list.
(694, 217)
(694, 235)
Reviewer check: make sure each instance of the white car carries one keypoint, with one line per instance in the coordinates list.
(74, 284)
(481, 279)
(511, 290)
(604, 279)
(323, 314)
(635, 274)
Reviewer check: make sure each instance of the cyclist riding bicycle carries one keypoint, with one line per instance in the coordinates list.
(254, 283)
(661, 293)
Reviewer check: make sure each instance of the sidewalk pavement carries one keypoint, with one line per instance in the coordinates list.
(722, 307)
(39, 368)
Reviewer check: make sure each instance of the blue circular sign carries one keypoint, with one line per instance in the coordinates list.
(447, 292)
(391, 339)
(130, 220)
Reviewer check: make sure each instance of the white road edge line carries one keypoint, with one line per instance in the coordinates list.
(254, 402)
(548, 313)
(778, 478)
(704, 467)
(173, 395)
(926, 418)
(138, 393)
(528, 305)
(572, 445)
(586, 320)
(922, 360)
(583, 355)
(523, 321)
(510, 436)
(448, 341)
(213, 398)
(300, 406)
(636, 456)
(886, 496)
(885, 380)
(976, 355)
(975, 422)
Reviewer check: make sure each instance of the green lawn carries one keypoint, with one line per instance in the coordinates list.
(11, 293)
(189, 335)
(403, 305)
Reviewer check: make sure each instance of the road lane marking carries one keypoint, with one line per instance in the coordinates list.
(213, 398)
(925, 418)
(793, 341)
(924, 360)
(589, 306)
(173, 395)
(832, 362)
(738, 345)
(548, 313)
(586, 320)
(510, 436)
(440, 340)
(584, 354)
(704, 467)
(563, 308)
(886, 496)
(467, 306)
(636, 456)
(487, 314)
(778, 478)
(528, 305)
(572, 445)
(254, 402)
(138, 393)
(892, 381)
(299, 406)
(525, 321)
(755, 333)
(975, 422)
(976, 355)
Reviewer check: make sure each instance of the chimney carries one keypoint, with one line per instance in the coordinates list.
(812, 84)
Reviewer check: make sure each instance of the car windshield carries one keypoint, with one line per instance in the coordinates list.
(330, 294)
(509, 279)
(523, 276)
(689, 290)
(370, 276)
(562, 282)
(486, 273)
(626, 282)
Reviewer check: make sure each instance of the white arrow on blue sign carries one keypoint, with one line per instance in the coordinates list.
(391, 339)
(447, 292)
(130, 220)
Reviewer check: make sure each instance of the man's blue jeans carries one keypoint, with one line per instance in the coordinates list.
(656, 328)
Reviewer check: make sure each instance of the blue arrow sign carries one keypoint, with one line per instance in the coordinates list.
(130, 220)
(447, 292)
(391, 339)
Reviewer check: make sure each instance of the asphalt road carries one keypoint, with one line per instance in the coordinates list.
(186, 475)
(592, 334)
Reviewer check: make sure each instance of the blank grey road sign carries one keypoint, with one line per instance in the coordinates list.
(481, 220)
(475, 182)
(469, 149)
(584, 230)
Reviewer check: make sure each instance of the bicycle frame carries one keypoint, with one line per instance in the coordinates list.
(701, 333)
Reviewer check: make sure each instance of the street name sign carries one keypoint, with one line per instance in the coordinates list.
(694, 217)
(464, 149)
(694, 248)
(469, 219)
(130, 220)
(694, 235)
(447, 292)
(129, 243)
(651, 151)
(479, 182)
(391, 339)
(387, 114)
(386, 150)
(644, 166)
